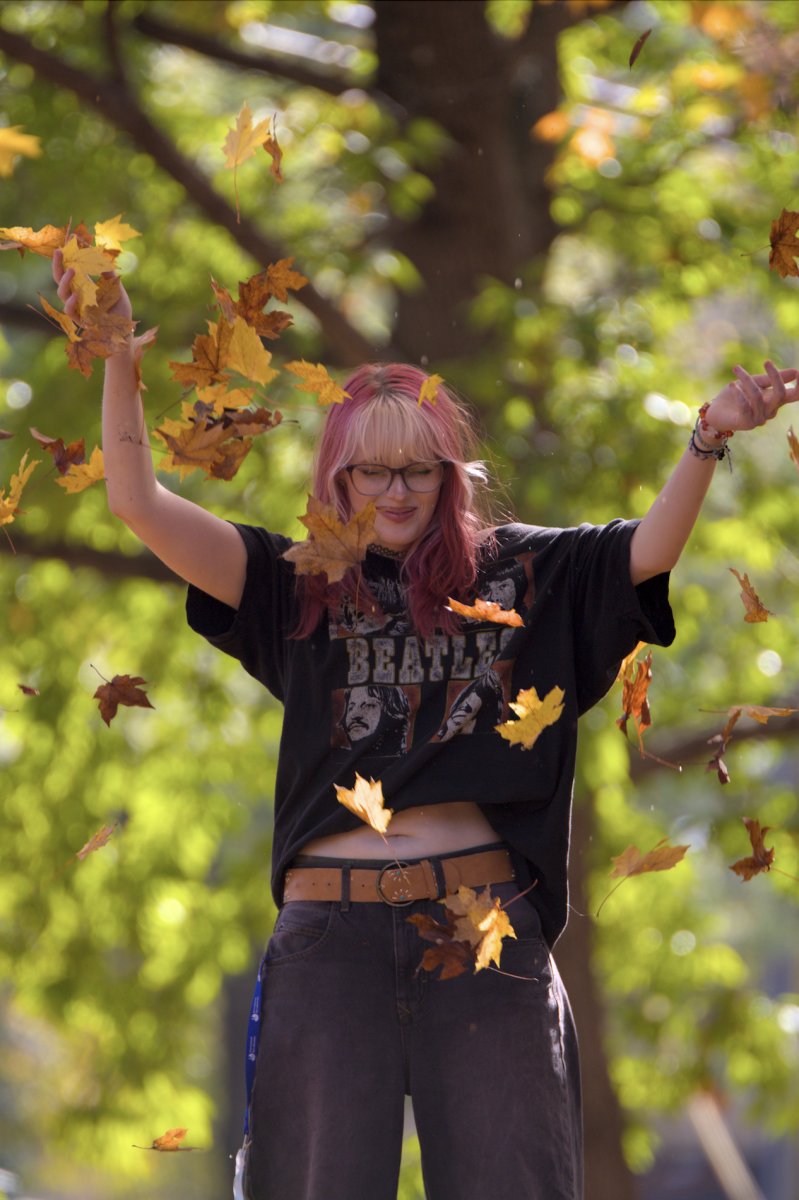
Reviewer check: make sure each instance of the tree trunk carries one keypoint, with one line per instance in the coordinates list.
(607, 1176)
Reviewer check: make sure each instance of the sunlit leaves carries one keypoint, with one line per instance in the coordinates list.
(366, 801)
(79, 476)
(755, 611)
(9, 504)
(333, 547)
(316, 379)
(534, 716)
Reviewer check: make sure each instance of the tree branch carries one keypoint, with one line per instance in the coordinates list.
(117, 104)
(269, 64)
(109, 563)
(695, 750)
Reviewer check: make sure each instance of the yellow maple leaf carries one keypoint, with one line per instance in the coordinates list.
(534, 716)
(210, 357)
(83, 475)
(220, 398)
(66, 323)
(86, 261)
(316, 379)
(242, 142)
(111, 234)
(333, 547)
(481, 921)
(43, 241)
(14, 142)
(246, 353)
(8, 505)
(428, 389)
(366, 801)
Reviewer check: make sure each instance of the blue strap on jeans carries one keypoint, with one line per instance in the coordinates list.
(253, 1036)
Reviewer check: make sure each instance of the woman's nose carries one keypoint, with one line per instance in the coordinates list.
(398, 486)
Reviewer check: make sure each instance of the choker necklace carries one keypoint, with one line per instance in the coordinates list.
(385, 551)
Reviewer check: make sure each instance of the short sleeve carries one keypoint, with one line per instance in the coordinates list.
(610, 614)
(256, 633)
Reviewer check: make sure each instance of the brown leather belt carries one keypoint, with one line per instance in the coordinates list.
(429, 879)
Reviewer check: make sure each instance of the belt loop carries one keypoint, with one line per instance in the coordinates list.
(441, 882)
(345, 887)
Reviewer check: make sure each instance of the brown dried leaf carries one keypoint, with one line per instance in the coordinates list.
(280, 279)
(210, 357)
(4, 435)
(762, 859)
(63, 457)
(191, 446)
(660, 858)
(98, 841)
(170, 1141)
(784, 244)
(27, 691)
(755, 611)
(634, 700)
(793, 447)
(639, 45)
(122, 689)
(626, 664)
(83, 475)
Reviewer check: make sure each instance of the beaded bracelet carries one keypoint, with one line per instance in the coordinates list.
(717, 452)
(727, 433)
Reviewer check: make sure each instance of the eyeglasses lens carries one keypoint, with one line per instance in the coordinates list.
(418, 477)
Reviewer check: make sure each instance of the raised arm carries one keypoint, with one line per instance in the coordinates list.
(198, 546)
(749, 401)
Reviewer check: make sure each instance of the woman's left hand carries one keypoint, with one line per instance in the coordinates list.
(751, 400)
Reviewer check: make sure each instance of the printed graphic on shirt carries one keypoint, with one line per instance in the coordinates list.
(511, 585)
(383, 715)
(387, 615)
(479, 706)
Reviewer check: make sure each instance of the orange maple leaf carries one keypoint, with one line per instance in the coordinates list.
(632, 862)
(366, 801)
(210, 357)
(762, 859)
(229, 458)
(784, 244)
(472, 936)
(43, 241)
(634, 699)
(122, 689)
(755, 611)
(626, 664)
(191, 446)
(486, 610)
(793, 447)
(280, 279)
(333, 547)
(273, 150)
(169, 1142)
(253, 296)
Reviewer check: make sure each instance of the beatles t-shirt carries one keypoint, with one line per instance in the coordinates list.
(365, 693)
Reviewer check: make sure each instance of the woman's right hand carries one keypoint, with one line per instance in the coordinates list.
(63, 278)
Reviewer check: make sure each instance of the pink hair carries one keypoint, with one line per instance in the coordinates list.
(382, 418)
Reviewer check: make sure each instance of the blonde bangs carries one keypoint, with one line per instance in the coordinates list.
(389, 429)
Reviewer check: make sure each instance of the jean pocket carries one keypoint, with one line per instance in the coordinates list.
(302, 928)
(522, 915)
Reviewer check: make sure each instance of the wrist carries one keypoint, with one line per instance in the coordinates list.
(708, 431)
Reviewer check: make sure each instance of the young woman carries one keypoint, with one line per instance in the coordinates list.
(379, 677)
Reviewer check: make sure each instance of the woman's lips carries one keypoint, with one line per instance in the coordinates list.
(397, 514)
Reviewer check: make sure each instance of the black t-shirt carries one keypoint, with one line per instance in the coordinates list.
(364, 693)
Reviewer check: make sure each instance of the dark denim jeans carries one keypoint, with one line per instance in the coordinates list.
(348, 1028)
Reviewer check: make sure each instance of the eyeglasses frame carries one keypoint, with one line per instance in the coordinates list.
(443, 462)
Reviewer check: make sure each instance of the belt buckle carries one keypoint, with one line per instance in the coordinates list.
(385, 899)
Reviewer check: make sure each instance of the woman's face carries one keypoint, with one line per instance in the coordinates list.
(402, 515)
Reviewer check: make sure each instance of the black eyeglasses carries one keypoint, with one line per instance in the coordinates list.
(372, 479)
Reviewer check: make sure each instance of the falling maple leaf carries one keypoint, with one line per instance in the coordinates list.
(449, 951)
(793, 447)
(755, 611)
(229, 458)
(209, 358)
(534, 716)
(719, 740)
(63, 456)
(9, 505)
(122, 689)
(86, 261)
(111, 234)
(333, 547)
(13, 142)
(485, 610)
(762, 859)
(366, 801)
(245, 353)
(639, 45)
(4, 435)
(83, 475)
(633, 862)
(482, 921)
(27, 691)
(99, 840)
(784, 244)
(758, 711)
(241, 143)
(626, 665)
(280, 279)
(191, 446)
(316, 379)
(428, 389)
(275, 153)
(168, 1142)
(43, 241)
(634, 699)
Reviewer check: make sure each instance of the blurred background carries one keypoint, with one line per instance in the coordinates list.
(581, 248)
